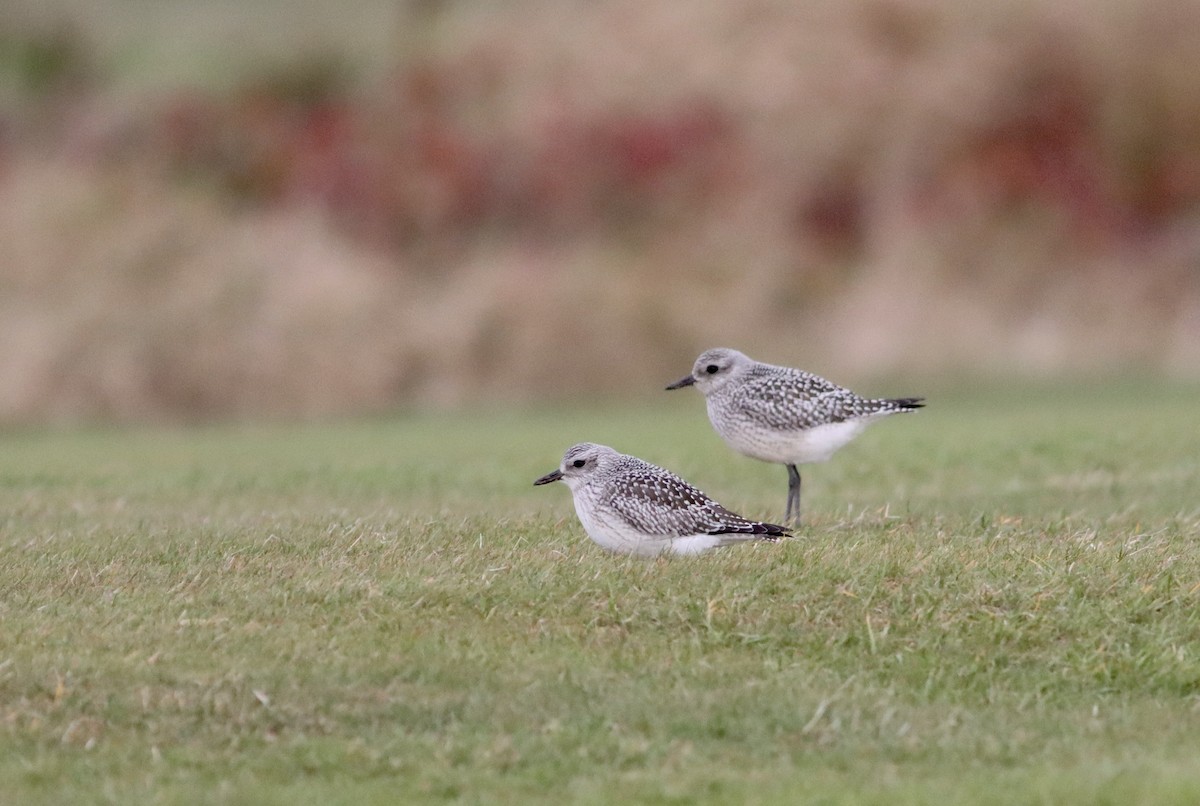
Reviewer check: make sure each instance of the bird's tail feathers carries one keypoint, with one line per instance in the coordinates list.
(902, 404)
(749, 530)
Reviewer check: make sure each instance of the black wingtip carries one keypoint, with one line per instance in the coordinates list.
(908, 403)
(769, 531)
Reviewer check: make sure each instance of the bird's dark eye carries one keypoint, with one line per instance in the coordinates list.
(578, 463)
(712, 369)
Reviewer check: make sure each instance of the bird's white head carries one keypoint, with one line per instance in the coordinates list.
(715, 368)
(579, 463)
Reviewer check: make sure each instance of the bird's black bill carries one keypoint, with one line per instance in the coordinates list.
(682, 382)
(553, 475)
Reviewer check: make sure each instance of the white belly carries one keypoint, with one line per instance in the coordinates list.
(793, 447)
(619, 537)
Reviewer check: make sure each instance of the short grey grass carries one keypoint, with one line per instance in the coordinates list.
(996, 607)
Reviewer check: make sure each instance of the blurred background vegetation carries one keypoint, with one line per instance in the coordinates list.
(223, 209)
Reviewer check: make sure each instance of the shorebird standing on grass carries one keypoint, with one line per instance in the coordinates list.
(629, 506)
(782, 415)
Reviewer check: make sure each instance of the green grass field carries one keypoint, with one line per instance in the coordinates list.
(992, 601)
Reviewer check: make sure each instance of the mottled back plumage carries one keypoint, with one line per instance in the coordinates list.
(657, 501)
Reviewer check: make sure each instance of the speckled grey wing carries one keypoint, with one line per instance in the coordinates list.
(788, 399)
(656, 501)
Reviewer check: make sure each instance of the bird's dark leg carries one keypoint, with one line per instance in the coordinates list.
(793, 502)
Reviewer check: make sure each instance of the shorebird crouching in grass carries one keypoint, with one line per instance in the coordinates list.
(783, 415)
(629, 506)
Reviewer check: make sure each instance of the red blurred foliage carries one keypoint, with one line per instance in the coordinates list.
(418, 160)
(1047, 149)
(833, 214)
(417, 164)
(626, 167)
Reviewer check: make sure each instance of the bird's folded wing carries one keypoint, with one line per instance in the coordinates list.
(786, 407)
(668, 505)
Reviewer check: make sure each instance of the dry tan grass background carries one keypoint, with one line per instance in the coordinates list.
(549, 200)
